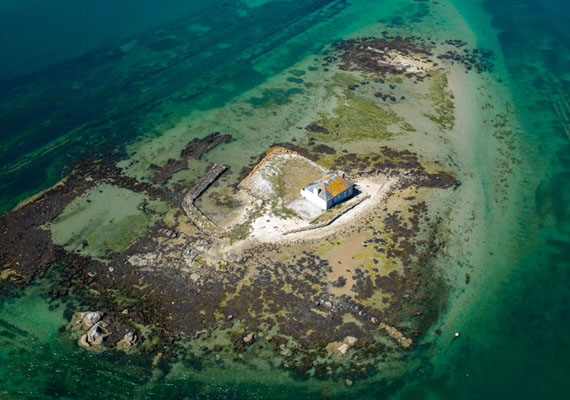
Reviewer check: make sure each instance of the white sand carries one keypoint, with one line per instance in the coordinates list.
(270, 228)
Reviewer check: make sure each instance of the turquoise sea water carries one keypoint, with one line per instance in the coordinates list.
(516, 341)
(520, 346)
(36, 34)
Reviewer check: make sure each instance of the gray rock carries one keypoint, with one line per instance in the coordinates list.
(142, 260)
(83, 341)
(233, 257)
(90, 318)
(343, 348)
(249, 338)
(350, 340)
(96, 334)
(129, 338)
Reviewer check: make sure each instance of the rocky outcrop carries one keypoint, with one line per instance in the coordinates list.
(90, 318)
(96, 330)
(143, 260)
(197, 147)
(127, 341)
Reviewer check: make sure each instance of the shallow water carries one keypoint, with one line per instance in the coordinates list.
(518, 344)
(514, 316)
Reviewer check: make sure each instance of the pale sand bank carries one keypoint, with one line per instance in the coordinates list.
(269, 228)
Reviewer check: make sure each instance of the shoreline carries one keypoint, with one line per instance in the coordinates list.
(170, 239)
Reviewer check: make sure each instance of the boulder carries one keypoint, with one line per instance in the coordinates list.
(127, 340)
(130, 337)
(96, 334)
(249, 338)
(350, 340)
(343, 348)
(142, 260)
(233, 257)
(285, 352)
(90, 318)
(83, 341)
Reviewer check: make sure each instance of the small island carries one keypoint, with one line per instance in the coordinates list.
(321, 245)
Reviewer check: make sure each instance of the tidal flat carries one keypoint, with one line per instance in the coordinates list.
(187, 281)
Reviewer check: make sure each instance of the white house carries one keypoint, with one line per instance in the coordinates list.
(329, 190)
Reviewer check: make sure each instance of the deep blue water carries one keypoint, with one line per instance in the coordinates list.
(35, 34)
(106, 98)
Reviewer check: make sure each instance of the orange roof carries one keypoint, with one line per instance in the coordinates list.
(335, 184)
(331, 185)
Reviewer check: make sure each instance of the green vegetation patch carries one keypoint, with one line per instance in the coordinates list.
(344, 80)
(442, 99)
(107, 219)
(356, 118)
(407, 127)
(295, 174)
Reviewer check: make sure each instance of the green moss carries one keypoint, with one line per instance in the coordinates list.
(284, 212)
(344, 80)
(356, 118)
(442, 100)
(158, 207)
(406, 126)
(78, 210)
(240, 232)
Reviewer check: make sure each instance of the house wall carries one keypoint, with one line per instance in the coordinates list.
(314, 198)
(341, 197)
